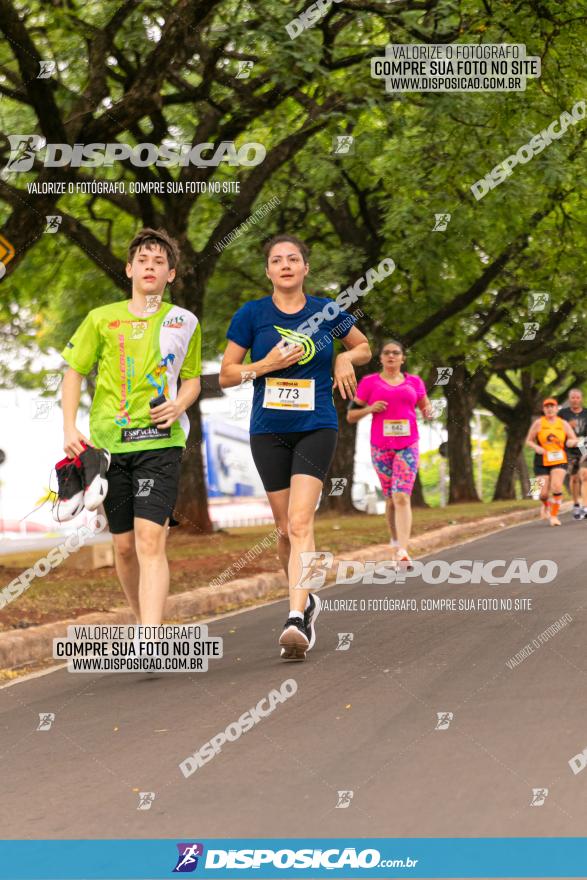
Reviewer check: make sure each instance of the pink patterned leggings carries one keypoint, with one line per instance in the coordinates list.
(396, 468)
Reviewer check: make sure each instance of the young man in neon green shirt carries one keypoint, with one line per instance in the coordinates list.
(141, 346)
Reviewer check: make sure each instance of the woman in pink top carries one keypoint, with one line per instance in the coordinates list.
(392, 397)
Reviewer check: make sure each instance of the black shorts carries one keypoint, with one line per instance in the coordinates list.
(543, 470)
(278, 457)
(574, 461)
(142, 484)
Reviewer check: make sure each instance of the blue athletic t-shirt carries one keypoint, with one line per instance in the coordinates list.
(258, 326)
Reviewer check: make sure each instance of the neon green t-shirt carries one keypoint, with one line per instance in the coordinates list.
(138, 359)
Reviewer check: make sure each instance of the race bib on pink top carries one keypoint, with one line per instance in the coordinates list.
(396, 427)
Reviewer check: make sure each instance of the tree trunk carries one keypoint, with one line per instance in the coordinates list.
(516, 420)
(523, 475)
(343, 465)
(461, 399)
(505, 487)
(418, 499)
(192, 501)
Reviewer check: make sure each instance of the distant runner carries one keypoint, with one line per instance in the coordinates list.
(294, 424)
(576, 415)
(548, 437)
(392, 397)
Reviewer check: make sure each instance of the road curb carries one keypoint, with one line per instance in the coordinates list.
(24, 647)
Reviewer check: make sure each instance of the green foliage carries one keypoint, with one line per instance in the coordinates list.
(491, 456)
(415, 155)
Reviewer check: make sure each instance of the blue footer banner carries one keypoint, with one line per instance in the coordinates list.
(303, 858)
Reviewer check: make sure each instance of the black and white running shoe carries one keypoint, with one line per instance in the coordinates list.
(294, 639)
(95, 463)
(577, 512)
(310, 615)
(70, 490)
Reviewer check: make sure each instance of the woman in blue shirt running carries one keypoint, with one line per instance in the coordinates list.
(294, 424)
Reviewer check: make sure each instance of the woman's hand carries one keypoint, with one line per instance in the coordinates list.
(378, 406)
(283, 355)
(344, 376)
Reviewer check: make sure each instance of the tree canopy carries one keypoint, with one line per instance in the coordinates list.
(214, 71)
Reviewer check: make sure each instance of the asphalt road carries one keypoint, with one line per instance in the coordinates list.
(362, 720)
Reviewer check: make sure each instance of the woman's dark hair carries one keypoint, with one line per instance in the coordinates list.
(277, 239)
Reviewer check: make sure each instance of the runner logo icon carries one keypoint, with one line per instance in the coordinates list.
(539, 795)
(344, 799)
(344, 641)
(441, 222)
(46, 719)
(244, 69)
(23, 148)
(145, 486)
(444, 719)
(538, 300)
(338, 485)
(146, 799)
(187, 860)
(343, 145)
(53, 222)
(314, 567)
(46, 69)
(444, 374)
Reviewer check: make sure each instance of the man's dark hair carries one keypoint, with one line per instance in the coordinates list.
(149, 238)
(277, 239)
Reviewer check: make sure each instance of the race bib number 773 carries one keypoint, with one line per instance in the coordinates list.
(297, 394)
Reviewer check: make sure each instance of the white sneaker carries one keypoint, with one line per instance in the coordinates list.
(95, 463)
(403, 560)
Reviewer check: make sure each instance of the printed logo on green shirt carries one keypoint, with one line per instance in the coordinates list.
(159, 380)
(175, 323)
